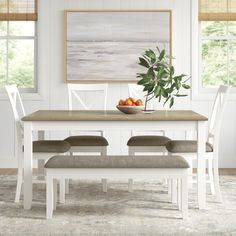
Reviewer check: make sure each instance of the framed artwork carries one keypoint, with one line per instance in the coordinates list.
(105, 46)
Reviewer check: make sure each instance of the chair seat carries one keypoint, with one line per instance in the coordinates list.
(51, 146)
(185, 146)
(148, 140)
(117, 162)
(87, 140)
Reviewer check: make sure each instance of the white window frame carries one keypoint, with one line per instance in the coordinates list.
(197, 91)
(34, 38)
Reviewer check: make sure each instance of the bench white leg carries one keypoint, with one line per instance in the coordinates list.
(184, 197)
(49, 196)
(62, 191)
(54, 194)
(174, 191)
(67, 182)
(104, 185)
(130, 185)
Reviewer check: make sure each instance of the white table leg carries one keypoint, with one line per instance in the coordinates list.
(28, 165)
(41, 174)
(201, 164)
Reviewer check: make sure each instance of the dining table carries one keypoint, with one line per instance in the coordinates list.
(113, 120)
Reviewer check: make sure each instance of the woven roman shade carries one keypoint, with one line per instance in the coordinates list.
(18, 10)
(217, 10)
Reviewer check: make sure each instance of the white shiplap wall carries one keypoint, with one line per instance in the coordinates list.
(53, 90)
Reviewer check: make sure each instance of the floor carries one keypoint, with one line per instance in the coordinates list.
(89, 211)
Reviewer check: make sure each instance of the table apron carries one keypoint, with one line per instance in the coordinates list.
(113, 125)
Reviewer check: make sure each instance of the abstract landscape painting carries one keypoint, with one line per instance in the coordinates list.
(106, 45)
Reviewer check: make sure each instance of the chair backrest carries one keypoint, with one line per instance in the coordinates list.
(218, 110)
(16, 104)
(74, 91)
(136, 91)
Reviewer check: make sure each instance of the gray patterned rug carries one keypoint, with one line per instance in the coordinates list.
(89, 211)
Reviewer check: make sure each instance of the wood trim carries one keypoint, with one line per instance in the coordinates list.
(116, 10)
(65, 47)
(107, 10)
(18, 16)
(217, 16)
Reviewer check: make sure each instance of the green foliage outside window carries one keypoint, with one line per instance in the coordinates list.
(218, 62)
(17, 54)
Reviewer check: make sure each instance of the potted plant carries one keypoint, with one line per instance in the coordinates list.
(160, 80)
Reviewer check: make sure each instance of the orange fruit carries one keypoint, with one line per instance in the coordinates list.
(121, 102)
(133, 100)
(139, 102)
(128, 102)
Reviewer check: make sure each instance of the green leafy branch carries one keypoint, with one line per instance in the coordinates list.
(160, 80)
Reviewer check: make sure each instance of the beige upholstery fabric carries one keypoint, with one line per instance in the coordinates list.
(117, 162)
(185, 146)
(149, 140)
(87, 140)
(52, 146)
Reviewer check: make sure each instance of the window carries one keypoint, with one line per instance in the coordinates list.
(218, 53)
(17, 54)
(217, 43)
(18, 43)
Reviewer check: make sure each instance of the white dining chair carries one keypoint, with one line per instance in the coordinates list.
(188, 148)
(140, 141)
(85, 143)
(148, 141)
(42, 149)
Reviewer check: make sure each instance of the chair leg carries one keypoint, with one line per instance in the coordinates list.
(62, 191)
(169, 186)
(130, 181)
(19, 178)
(130, 185)
(190, 172)
(104, 185)
(174, 191)
(217, 184)
(67, 182)
(49, 195)
(54, 194)
(19, 185)
(41, 174)
(179, 183)
(104, 151)
(104, 181)
(184, 196)
(211, 177)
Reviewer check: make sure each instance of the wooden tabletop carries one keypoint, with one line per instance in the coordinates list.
(113, 115)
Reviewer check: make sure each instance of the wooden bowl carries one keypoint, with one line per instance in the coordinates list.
(130, 109)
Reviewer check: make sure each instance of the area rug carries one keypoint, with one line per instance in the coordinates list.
(145, 211)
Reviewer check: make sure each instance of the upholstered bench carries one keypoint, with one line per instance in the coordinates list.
(116, 168)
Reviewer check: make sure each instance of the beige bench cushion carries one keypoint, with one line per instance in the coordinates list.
(185, 146)
(51, 146)
(117, 162)
(87, 140)
(148, 140)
